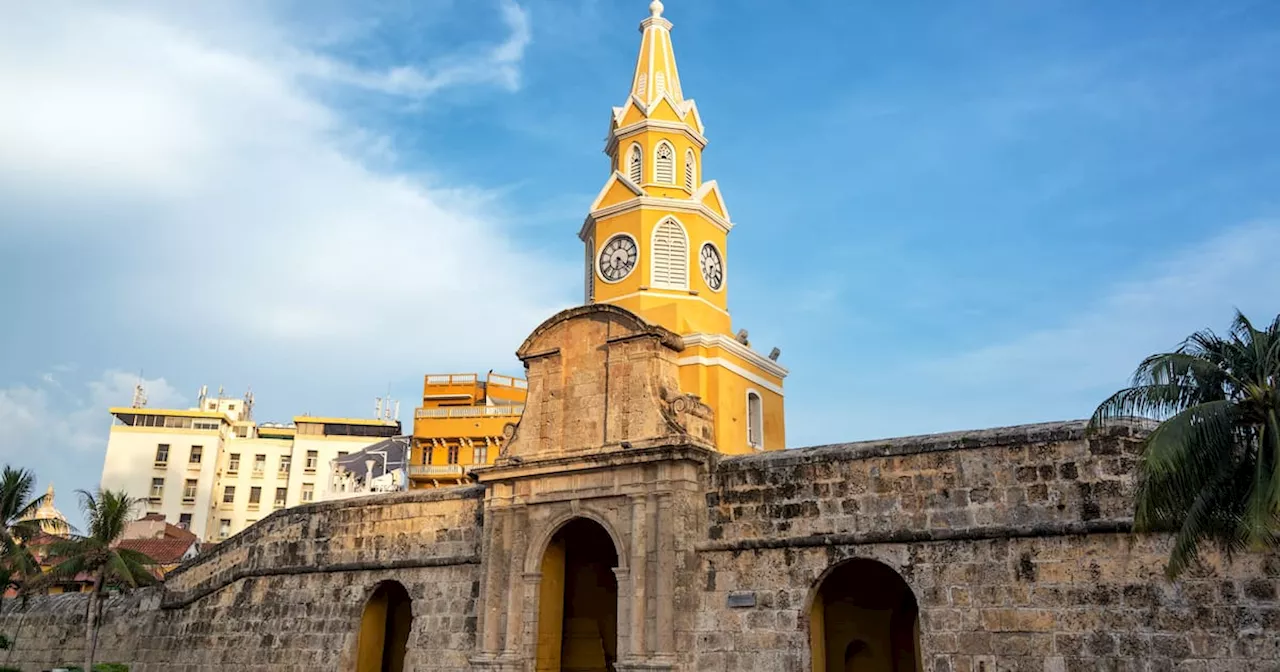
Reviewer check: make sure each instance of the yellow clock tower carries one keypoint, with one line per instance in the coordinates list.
(656, 244)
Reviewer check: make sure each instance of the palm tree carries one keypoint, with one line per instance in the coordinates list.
(106, 513)
(1210, 471)
(19, 524)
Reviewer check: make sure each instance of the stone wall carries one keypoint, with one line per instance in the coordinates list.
(286, 594)
(1012, 541)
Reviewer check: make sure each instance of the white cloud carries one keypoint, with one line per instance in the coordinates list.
(231, 201)
(61, 434)
(1063, 370)
(498, 65)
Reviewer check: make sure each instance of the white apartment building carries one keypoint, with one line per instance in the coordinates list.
(215, 471)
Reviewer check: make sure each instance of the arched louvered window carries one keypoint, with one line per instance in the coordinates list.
(664, 164)
(642, 84)
(670, 256)
(660, 84)
(690, 170)
(755, 420)
(636, 164)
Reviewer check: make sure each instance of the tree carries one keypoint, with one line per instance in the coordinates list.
(106, 514)
(1210, 471)
(19, 524)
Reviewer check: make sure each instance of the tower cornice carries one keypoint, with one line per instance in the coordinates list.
(622, 133)
(654, 203)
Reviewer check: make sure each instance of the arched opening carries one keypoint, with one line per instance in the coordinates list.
(864, 618)
(578, 601)
(384, 629)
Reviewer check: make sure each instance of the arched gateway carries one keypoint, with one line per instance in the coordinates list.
(384, 629)
(864, 618)
(578, 600)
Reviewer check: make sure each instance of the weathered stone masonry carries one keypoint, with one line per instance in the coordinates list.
(1015, 543)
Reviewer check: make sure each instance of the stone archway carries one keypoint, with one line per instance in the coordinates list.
(864, 618)
(384, 629)
(578, 600)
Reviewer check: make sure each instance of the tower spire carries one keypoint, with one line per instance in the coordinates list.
(656, 73)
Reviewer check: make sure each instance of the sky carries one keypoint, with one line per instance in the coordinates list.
(949, 214)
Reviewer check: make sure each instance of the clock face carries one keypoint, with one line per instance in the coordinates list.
(712, 266)
(618, 258)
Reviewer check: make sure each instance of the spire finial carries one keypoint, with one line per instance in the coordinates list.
(655, 9)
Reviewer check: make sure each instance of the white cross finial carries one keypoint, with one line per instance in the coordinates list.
(655, 8)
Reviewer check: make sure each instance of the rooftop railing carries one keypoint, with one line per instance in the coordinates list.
(471, 412)
(435, 470)
(452, 379)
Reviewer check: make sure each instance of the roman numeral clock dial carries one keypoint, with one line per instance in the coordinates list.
(618, 258)
(712, 267)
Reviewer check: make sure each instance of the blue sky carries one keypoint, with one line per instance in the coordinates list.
(949, 215)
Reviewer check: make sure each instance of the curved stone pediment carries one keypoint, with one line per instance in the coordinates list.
(601, 378)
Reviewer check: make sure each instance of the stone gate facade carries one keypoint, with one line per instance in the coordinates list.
(1014, 543)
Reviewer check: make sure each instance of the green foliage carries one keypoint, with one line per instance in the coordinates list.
(107, 514)
(10, 669)
(1210, 472)
(18, 525)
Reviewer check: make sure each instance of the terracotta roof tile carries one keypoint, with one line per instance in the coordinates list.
(163, 551)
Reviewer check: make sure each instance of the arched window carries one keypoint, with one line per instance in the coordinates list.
(635, 164)
(642, 84)
(690, 170)
(660, 84)
(755, 420)
(670, 256)
(664, 165)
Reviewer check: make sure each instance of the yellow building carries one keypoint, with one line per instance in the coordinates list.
(656, 243)
(461, 423)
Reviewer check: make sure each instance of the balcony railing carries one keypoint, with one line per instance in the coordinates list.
(452, 379)
(471, 412)
(435, 470)
(508, 381)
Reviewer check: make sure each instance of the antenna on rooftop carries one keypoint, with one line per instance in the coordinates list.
(139, 394)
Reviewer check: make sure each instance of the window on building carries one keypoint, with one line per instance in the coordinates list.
(162, 454)
(189, 490)
(233, 463)
(229, 494)
(255, 495)
(242, 432)
(453, 454)
(480, 454)
(206, 425)
(259, 465)
(313, 457)
(342, 454)
(286, 462)
(249, 522)
(670, 256)
(197, 452)
(690, 170)
(157, 488)
(308, 492)
(664, 164)
(755, 420)
(636, 164)
(224, 528)
(281, 495)
(184, 521)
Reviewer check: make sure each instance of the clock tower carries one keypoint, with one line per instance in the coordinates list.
(656, 243)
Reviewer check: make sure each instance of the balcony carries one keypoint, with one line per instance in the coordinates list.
(452, 386)
(510, 411)
(436, 472)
